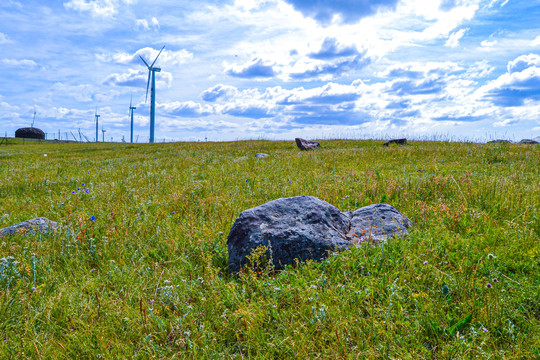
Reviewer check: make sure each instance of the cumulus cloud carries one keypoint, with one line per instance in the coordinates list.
(167, 57)
(331, 60)
(256, 68)
(453, 39)
(138, 78)
(523, 62)
(145, 25)
(331, 49)
(219, 92)
(347, 11)
(254, 110)
(519, 84)
(24, 63)
(188, 109)
(97, 8)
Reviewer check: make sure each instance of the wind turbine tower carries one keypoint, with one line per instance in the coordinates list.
(131, 108)
(97, 127)
(103, 131)
(152, 74)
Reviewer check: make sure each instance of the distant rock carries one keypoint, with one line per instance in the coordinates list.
(306, 144)
(261, 155)
(528, 141)
(499, 141)
(396, 141)
(304, 227)
(30, 133)
(40, 224)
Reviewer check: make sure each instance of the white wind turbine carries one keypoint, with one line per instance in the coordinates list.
(152, 74)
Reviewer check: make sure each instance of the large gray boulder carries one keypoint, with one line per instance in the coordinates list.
(30, 133)
(528, 141)
(30, 227)
(304, 227)
(304, 144)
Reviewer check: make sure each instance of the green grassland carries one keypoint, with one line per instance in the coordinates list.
(148, 277)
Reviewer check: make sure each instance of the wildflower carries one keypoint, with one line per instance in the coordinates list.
(73, 192)
(313, 286)
(78, 189)
(485, 330)
(290, 181)
(247, 180)
(425, 262)
(92, 218)
(87, 191)
(33, 288)
(489, 286)
(82, 184)
(45, 155)
(495, 280)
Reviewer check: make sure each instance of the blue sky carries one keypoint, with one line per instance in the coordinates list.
(274, 69)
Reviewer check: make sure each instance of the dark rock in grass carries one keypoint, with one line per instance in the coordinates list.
(304, 227)
(396, 141)
(528, 141)
(40, 224)
(261, 155)
(306, 144)
(30, 133)
(499, 141)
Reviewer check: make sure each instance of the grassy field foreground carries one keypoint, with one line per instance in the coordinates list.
(138, 268)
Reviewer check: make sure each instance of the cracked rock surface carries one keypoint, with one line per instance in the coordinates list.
(305, 227)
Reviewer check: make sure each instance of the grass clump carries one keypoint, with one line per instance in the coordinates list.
(138, 268)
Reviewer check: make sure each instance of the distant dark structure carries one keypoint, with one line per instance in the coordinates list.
(396, 141)
(30, 133)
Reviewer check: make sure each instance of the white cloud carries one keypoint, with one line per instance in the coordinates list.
(4, 39)
(82, 93)
(24, 63)
(139, 78)
(523, 62)
(142, 23)
(97, 8)
(536, 41)
(453, 40)
(167, 57)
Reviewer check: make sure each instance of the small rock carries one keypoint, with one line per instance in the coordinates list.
(396, 141)
(304, 227)
(261, 155)
(30, 226)
(528, 141)
(306, 144)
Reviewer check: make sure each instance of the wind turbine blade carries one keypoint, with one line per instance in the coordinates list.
(148, 83)
(145, 63)
(158, 55)
(130, 100)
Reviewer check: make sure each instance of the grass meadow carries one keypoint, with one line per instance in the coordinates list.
(138, 267)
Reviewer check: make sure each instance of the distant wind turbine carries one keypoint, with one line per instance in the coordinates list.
(34, 119)
(131, 108)
(97, 127)
(152, 74)
(103, 131)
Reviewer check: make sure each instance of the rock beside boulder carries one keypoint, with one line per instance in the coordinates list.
(304, 227)
(528, 141)
(40, 224)
(261, 155)
(30, 133)
(396, 141)
(306, 144)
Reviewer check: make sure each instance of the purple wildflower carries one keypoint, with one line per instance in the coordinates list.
(425, 262)
(489, 286)
(485, 330)
(73, 192)
(92, 218)
(495, 280)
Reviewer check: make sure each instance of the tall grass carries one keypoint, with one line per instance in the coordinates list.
(138, 268)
